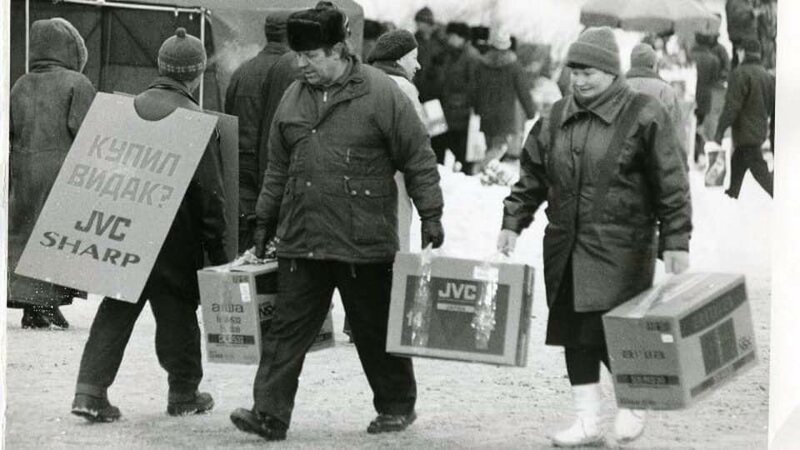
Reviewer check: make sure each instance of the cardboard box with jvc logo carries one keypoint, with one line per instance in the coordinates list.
(452, 308)
(680, 341)
(237, 303)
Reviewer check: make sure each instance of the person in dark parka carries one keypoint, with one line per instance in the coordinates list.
(245, 100)
(456, 70)
(329, 196)
(610, 167)
(172, 290)
(749, 109)
(48, 105)
(500, 83)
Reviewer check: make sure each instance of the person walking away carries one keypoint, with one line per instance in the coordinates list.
(431, 44)
(47, 107)
(742, 19)
(457, 72)
(244, 99)
(749, 107)
(395, 53)
(768, 32)
(198, 227)
(708, 67)
(500, 83)
(643, 77)
(610, 167)
(329, 195)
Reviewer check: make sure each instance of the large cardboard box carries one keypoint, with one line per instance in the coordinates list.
(443, 318)
(679, 341)
(237, 304)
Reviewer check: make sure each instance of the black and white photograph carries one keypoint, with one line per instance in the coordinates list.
(439, 224)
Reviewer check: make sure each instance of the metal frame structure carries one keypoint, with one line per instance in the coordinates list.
(135, 6)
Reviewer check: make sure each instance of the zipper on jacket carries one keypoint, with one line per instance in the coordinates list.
(324, 96)
(348, 156)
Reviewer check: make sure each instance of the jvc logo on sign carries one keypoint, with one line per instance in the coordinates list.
(458, 291)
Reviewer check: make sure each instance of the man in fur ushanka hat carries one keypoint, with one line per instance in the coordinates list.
(340, 134)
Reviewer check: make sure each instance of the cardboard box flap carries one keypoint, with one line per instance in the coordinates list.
(680, 295)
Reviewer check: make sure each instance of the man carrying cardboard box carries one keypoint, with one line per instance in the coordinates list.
(329, 195)
(199, 226)
(610, 166)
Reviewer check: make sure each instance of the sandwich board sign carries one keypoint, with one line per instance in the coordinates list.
(115, 198)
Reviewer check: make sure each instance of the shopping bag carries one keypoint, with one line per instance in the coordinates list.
(476, 140)
(717, 167)
(434, 117)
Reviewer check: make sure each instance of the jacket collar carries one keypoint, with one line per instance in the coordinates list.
(606, 106)
(169, 84)
(752, 59)
(391, 68)
(275, 48)
(642, 72)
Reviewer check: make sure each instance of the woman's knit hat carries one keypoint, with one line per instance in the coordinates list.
(424, 15)
(392, 46)
(597, 48)
(644, 56)
(182, 57)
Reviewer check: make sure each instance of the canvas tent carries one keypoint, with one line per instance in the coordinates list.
(123, 37)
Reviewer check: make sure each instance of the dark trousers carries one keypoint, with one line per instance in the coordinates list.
(248, 196)
(304, 298)
(177, 343)
(744, 158)
(583, 364)
(456, 141)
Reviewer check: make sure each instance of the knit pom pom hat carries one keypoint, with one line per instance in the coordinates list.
(597, 48)
(182, 57)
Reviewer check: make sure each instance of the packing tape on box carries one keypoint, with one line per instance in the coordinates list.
(663, 293)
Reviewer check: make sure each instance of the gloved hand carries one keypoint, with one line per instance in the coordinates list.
(507, 241)
(216, 254)
(432, 233)
(261, 237)
(676, 261)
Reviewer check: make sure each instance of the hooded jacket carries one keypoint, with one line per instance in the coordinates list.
(329, 191)
(48, 105)
(610, 246)
(499, 83)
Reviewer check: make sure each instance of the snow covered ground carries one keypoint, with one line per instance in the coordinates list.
(460, 405)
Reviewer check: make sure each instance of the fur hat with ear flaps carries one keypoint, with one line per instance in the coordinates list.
(322, 26)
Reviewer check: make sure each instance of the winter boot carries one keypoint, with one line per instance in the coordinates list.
(32, 317)
(629, 424)
(585, 431)
(391, 423)
(184, 405)
(94, 409)
(258, 423)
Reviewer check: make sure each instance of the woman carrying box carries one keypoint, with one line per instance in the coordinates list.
(609, 165)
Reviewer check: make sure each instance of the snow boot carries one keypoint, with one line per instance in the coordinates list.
(32, 317)
(629, 424)
(585, 431)
(94, 409)
(390, 423)
(195, 403)
(258, 423)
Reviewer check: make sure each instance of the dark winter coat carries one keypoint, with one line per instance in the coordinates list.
(429, 52)
(243, 98)
(708, 71)
(329, 191)
(741, 19)
(647, 208)
(499, 83)
(284, 73)
(457, 74)
(47, 106)
(749, 103)
(199, 224)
